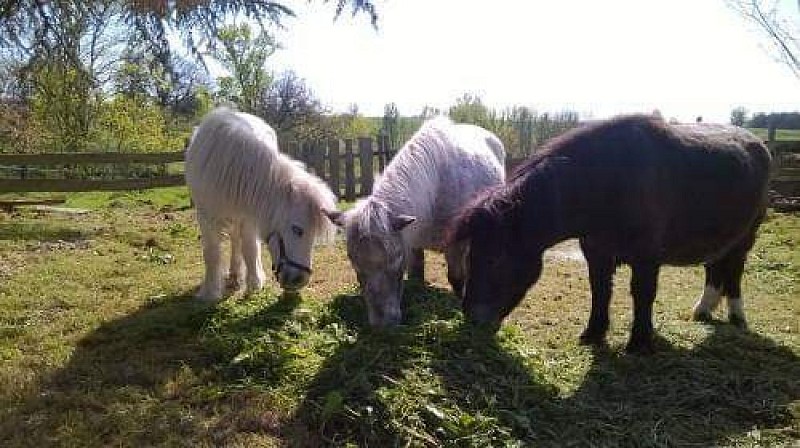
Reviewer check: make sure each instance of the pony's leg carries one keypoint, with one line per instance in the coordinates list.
(251, 250)
(237, 268)
(732, 289)
(416, 265)
(724, 277)
(210, 234)
(602, 266)
(708, 302)
(644, 282)
(454, 256)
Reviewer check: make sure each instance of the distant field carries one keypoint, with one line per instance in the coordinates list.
(781, 134)
(101, 344)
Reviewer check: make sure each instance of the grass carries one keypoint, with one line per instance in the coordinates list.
(780, 134)
(102, 345)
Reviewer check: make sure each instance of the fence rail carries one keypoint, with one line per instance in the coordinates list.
(348, 166)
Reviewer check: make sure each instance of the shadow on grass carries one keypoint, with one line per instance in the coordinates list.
(41, 231)
(435, 382)
(425, 382)
(147, 378)
(734, 384)
(175, 372)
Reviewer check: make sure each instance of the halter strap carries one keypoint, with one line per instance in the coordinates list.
(283, 260)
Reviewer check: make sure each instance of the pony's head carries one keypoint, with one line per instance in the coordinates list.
(291, 241)
(499, 266)
(378, 254)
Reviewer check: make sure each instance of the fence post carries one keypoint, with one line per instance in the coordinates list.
(349, 172)
(366, 156)
(381, 152)
(291, 150)
(333, 159)
(774, 149)
(318, 157)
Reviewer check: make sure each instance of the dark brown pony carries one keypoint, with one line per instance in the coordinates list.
(634, 190)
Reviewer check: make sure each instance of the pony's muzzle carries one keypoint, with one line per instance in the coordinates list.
(482, 316)
(293, 279)
(384, 316)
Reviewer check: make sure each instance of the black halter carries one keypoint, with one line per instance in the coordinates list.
(282, 259)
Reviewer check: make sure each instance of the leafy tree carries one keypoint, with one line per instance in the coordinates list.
(134, 124)
(289, 106)
(244, 56)
(781, 120)
(174, 83)
(739, 116)
(470, 109)
(63, 104)
(390, 124)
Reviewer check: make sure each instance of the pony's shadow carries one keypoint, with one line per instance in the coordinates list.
(148, 352)
(705, 395)
(728, 385)
(350, 397)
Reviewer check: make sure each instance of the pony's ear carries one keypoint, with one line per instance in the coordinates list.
(335, 216)
(400, 222)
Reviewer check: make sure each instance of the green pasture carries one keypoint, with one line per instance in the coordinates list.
(780, 134)
(101, 344)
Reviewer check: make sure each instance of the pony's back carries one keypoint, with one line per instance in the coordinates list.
(231, 160)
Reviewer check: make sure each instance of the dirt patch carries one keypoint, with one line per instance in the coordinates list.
(567, 251)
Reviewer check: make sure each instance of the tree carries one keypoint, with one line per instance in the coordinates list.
(32, 25)
(470, 109)
(244, 56)
(739, 116)
(782, 35)
(390, 123)
(290, 106)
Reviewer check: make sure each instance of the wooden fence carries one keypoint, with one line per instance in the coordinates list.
(348, 166)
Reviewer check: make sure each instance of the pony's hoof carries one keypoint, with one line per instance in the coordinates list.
(206, 296)
(702, 316)
(233, 282)
(254, 285)
(597, 340)
(738, 321)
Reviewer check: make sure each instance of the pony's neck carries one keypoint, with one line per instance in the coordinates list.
(543, 209)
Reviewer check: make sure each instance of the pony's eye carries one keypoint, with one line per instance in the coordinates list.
(297, 230)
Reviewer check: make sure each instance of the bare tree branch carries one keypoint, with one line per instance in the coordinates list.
(782, 35)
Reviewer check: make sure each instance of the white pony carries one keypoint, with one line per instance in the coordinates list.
(242, 185)
(430, 179)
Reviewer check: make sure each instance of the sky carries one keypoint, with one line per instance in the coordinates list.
(687, 58)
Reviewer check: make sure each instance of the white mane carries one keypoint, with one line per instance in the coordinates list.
(234, 168)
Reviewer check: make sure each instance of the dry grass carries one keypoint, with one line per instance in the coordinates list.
(101, 345)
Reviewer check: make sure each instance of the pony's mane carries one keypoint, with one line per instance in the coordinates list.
(238, 157)
(370, 217)
(495, 202)
(414, 166)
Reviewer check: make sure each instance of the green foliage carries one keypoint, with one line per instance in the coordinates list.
(243, 54)
(520, 128)
(739, 116)
(470, 109)
(63, 104)
(133, 124)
